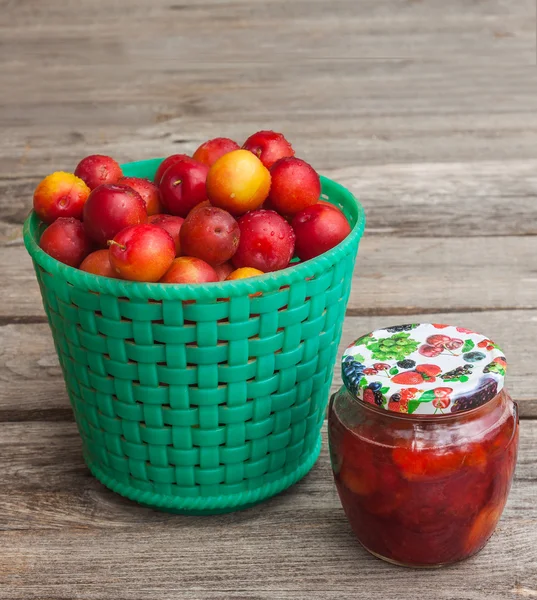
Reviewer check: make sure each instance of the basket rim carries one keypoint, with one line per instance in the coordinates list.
(207, 291)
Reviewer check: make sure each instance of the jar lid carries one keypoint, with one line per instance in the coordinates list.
(427, 369)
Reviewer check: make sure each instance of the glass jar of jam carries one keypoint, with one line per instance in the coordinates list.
(423, 442)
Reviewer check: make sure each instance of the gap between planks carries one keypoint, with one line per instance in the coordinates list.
(33, 386)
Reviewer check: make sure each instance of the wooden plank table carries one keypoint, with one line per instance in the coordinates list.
(425, 109)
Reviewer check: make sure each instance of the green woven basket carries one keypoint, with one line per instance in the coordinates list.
(207, 406)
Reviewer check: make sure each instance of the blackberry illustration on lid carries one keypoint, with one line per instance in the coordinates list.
(427, 369)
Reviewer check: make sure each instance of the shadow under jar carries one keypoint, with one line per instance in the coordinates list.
(423, 444)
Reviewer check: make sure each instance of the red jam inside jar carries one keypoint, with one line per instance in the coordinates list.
(423, 485)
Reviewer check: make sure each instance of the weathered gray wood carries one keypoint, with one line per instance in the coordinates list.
(393, 275)
(449, 199)
(421, 200)
(425, 109)
(66, 536)
(367, 113)
(352, 82)
(33, 389)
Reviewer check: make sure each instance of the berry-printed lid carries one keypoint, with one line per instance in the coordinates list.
(427, 369)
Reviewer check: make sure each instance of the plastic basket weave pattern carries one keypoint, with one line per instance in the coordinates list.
(200, 398)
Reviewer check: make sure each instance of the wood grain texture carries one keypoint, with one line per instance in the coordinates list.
(424, 109)
(33, 389)
(350, 83)
(393, 276)
(336, 113)
(474, 199)
(63, 535)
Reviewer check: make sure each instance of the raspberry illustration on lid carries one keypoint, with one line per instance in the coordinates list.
(428, 369)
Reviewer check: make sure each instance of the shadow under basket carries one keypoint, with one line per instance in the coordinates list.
(200, 398)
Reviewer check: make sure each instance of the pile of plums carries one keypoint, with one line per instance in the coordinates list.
(224, 213)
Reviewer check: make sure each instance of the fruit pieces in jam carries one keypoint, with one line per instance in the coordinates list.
(425, 495)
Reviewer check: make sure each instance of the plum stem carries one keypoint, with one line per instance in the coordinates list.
(113, 243)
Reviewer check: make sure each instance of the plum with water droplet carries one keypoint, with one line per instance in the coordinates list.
(182, 186)
(210, 151)
(109, 209)
(211, 234)
(319, 228)
(60, 195)
(238, 182)
(269, 147)
(141, 252)
(267, 241)
(66, 241)
(295, 186)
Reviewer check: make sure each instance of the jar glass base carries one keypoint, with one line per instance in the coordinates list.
(413, 566)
